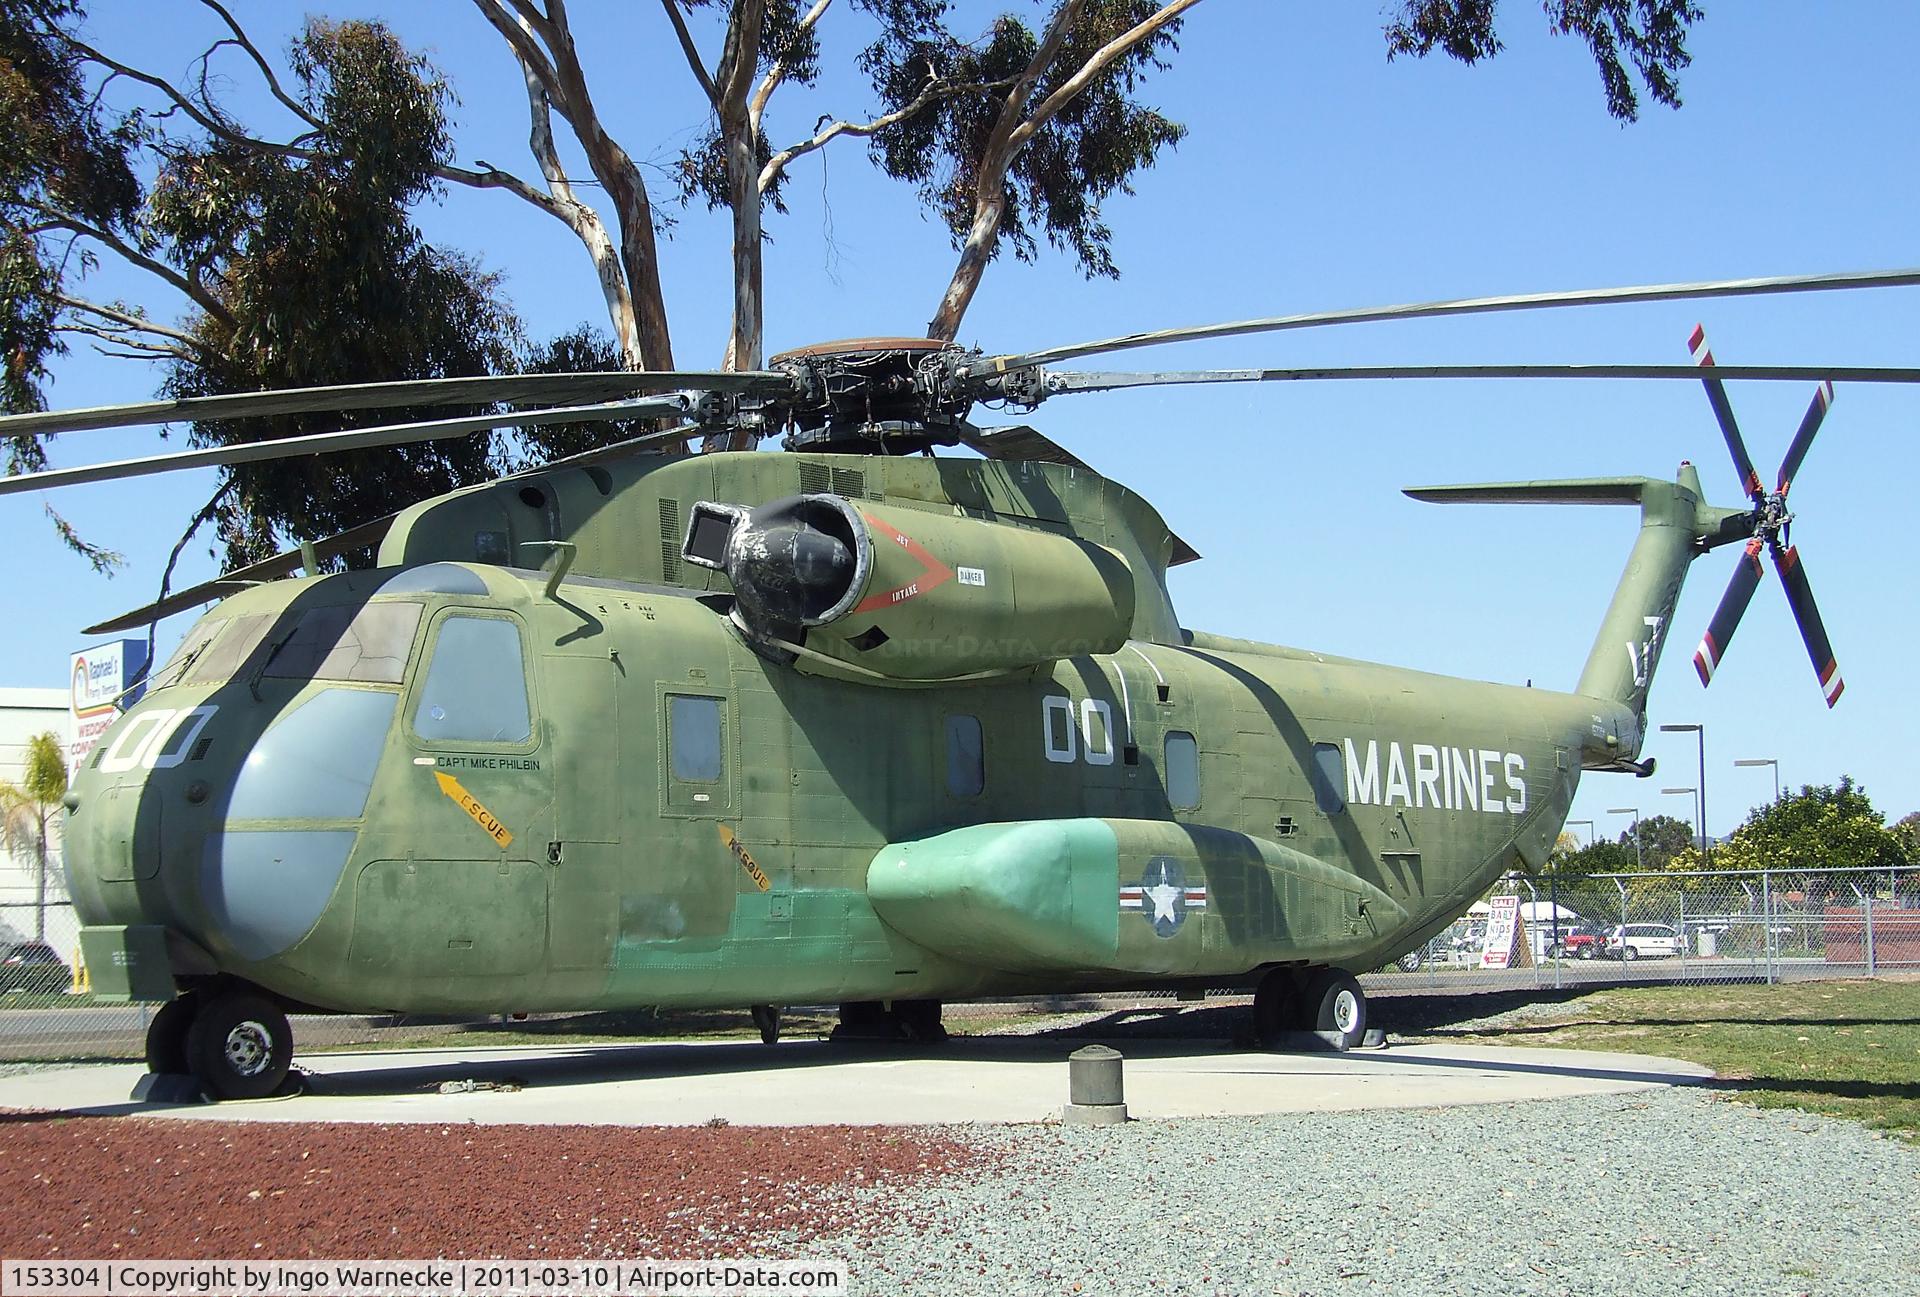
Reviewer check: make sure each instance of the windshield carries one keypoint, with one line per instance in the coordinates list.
(368, 643)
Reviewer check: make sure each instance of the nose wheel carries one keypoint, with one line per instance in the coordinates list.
(236, 1043)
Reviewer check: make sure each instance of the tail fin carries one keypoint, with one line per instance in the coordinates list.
(1675, 527)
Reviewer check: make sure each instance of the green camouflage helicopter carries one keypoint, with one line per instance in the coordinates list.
(843, 725)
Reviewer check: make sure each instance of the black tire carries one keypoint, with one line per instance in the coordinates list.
(920, 1021)
(240, 1046)
(1339, 1007)
(1276, 1007)
(1409, 962)
(767, 1018)
(1629, 953)
(167, 1036)
(1586, 952)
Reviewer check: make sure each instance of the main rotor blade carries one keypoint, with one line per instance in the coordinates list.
(1803, 439)
(1723, 411)
(1806, 614)
(1462, 306)
(267, 569)
(1061, 381)
(1726, 618)
(353, 439)
(478, 390)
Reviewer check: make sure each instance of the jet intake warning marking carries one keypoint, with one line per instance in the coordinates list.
(1444, 778)
(478, 813)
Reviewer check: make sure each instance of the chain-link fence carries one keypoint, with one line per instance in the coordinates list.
(1764, 925)
(1603, 929)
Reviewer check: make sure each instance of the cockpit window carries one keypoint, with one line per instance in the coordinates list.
(223, 657)
(476, 684)
(368, 643)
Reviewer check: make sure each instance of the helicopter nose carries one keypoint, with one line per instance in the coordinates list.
(292, 820)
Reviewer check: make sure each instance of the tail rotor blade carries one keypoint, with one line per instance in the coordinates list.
(1723, 411)
(1726, 618)
(1803, 439)
(1807, 615)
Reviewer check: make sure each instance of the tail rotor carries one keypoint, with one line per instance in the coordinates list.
(1771, 522)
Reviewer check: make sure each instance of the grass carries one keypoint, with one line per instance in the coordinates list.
(1847, 1049)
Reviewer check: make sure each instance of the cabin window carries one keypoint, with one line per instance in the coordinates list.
(1182, 771)
(694, 738)
(966, 757)
(476, 684)
(1328, 774)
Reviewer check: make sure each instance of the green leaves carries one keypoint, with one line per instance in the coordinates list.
(1651, 35)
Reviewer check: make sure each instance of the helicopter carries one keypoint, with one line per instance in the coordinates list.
(857, 723)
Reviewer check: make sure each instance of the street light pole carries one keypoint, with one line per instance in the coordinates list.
(1639, 856)
(1589, 824)
(1689, 792)
(1706, 851)
(1765, 761)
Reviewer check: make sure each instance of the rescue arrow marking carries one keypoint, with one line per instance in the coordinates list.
(467, 802)
(933, 571)
(739, 850)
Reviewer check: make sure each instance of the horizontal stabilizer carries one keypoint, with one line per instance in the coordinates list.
(1576, 490)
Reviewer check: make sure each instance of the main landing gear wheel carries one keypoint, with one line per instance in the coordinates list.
(1338, 1006)
(767, 1018)
(240, 1045)
(167, 1035)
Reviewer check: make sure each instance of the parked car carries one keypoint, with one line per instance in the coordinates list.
(1645, 941)
(32, 966)
(1579, 942)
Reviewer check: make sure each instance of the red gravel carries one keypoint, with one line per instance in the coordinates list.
(152, 1188)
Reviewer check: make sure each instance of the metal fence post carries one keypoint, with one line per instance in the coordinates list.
(1766, 918)
(1866, 904)
(1559, 952)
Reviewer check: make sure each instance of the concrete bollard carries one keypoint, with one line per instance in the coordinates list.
(1095, 1093)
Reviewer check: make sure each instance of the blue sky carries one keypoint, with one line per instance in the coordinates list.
(1316, 175)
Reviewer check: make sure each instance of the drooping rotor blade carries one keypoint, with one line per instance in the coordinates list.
(1803, 439)
(1061, 381)
(1733, 605)
(267, 569)
(1461, 306)
(1723, 411)
(1030, 444)
(352, 439)
(478, 390)
(1806, 614)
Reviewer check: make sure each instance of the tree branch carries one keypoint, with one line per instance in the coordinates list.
(194, 289)
(129, 320)
(138, 350)
(241, 39)
(519, 34)
(934, 93)
(687, 47)
(1093, 67)
(778, 72)
(212, 123)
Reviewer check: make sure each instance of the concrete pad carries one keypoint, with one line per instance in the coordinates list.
(803, 1083)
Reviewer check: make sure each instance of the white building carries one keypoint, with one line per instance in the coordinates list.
(23, 714)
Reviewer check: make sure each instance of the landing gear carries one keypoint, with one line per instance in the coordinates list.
(239, 1045)
(167, 1035)
(1326, 1001)
(767, 1018)
(1338, 1006)
(917, 1021)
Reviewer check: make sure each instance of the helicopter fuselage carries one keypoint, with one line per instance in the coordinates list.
(448, 784)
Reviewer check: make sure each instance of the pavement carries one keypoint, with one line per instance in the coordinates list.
(805, 1083)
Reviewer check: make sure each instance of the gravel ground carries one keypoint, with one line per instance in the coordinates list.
(1668, 1193)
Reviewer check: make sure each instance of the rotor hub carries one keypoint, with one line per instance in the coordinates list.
(886, 396)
